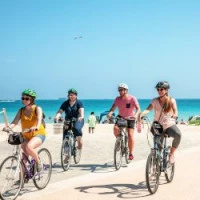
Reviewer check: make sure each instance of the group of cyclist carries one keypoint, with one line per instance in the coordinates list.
(164, 106)
(165, 112)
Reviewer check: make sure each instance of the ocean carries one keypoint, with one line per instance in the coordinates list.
(186, 107)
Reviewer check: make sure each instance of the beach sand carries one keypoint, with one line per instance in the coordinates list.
(96, 178)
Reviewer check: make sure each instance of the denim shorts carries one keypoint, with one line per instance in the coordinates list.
(42, 137)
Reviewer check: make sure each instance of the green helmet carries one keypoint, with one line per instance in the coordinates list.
(29, 92)
(72, 90)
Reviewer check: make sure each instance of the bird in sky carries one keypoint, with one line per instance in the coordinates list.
(78, 37)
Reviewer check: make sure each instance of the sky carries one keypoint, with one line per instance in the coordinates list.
(93, 45)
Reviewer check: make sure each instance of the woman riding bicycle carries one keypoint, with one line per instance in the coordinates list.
(31, 120)
(126, 105)
(166, 113)
(73, 108)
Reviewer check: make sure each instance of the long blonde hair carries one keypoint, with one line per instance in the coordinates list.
(168, 105)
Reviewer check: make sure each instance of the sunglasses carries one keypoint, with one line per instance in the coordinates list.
(160, 89)
(25, 98)
(120, 90)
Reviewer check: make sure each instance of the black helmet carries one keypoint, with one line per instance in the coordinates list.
(163, 84)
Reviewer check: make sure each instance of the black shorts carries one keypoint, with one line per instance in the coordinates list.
(131, 123)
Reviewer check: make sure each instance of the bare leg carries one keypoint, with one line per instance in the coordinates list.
(80, 142)
(116, 130)
(31, 146)
(131, 141)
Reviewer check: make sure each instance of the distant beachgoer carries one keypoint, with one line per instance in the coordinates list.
(73, 108)
(91, 122)
(31, 119)
(166, 113)
(127, 105)
(182, 122)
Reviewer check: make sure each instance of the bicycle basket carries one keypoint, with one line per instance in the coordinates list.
(122, 123)
(15, 139)
(156, 128)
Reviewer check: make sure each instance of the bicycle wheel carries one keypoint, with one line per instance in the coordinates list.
(118, 153)
(169, 171)
(11, 178)
(66, 154)
(77, 152)
(152, 173)
(41, 179)
(126, 151)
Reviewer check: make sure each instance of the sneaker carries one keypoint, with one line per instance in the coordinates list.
(171, 158)
(39, 166)
(131, 157)
(66, 160)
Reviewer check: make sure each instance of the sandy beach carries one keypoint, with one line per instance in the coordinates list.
(95, 176)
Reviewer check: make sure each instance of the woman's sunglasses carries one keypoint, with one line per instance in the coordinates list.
(160, 89)
(26, 98)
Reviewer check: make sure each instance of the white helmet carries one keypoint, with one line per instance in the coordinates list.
(123, 85)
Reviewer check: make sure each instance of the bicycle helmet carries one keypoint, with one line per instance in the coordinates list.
(123, 85)
(29, 92)
(72, 90)
(163, 84)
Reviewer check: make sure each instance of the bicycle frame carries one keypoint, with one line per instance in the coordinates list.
(158, 161)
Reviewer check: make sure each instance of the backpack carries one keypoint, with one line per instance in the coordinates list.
(43, 116)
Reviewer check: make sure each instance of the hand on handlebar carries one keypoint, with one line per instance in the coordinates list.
(6, 129)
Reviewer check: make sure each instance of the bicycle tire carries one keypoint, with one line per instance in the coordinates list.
(66, 150)
(118, 153)
(11, 178)
(169, 171)
(42, 178)
(77, 152)
(152, 171)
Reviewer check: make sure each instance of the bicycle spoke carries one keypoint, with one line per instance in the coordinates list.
(42, 178)
(11, 178)
(152, 173)
(118, 154)
(66, 153)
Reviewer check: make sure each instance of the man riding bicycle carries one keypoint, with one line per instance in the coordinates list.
(126, 105)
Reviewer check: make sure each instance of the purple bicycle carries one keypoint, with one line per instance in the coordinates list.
(17, 169)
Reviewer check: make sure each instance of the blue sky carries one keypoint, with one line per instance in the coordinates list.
(139, 42)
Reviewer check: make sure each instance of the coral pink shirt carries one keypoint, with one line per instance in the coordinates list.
(126, 106)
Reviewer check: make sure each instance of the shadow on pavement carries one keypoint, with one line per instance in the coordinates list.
(120, 190)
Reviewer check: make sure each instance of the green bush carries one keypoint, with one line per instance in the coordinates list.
(194, 122)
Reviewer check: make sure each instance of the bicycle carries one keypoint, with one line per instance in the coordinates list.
(17, 169)
(121, 145)
(158, 161)
(69, 146)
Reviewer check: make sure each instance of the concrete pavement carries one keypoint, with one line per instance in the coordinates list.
(128, 183)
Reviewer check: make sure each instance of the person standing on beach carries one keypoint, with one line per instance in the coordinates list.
(31, 120)
(166, 112)
(91, 122)
(73, 108)
(126, 105)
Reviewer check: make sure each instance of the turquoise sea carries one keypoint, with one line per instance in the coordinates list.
(186, 107)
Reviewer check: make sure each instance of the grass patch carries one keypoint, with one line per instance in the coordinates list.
(194, 122)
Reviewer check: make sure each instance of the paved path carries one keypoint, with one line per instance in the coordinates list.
(128, 183)
(97, 164)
